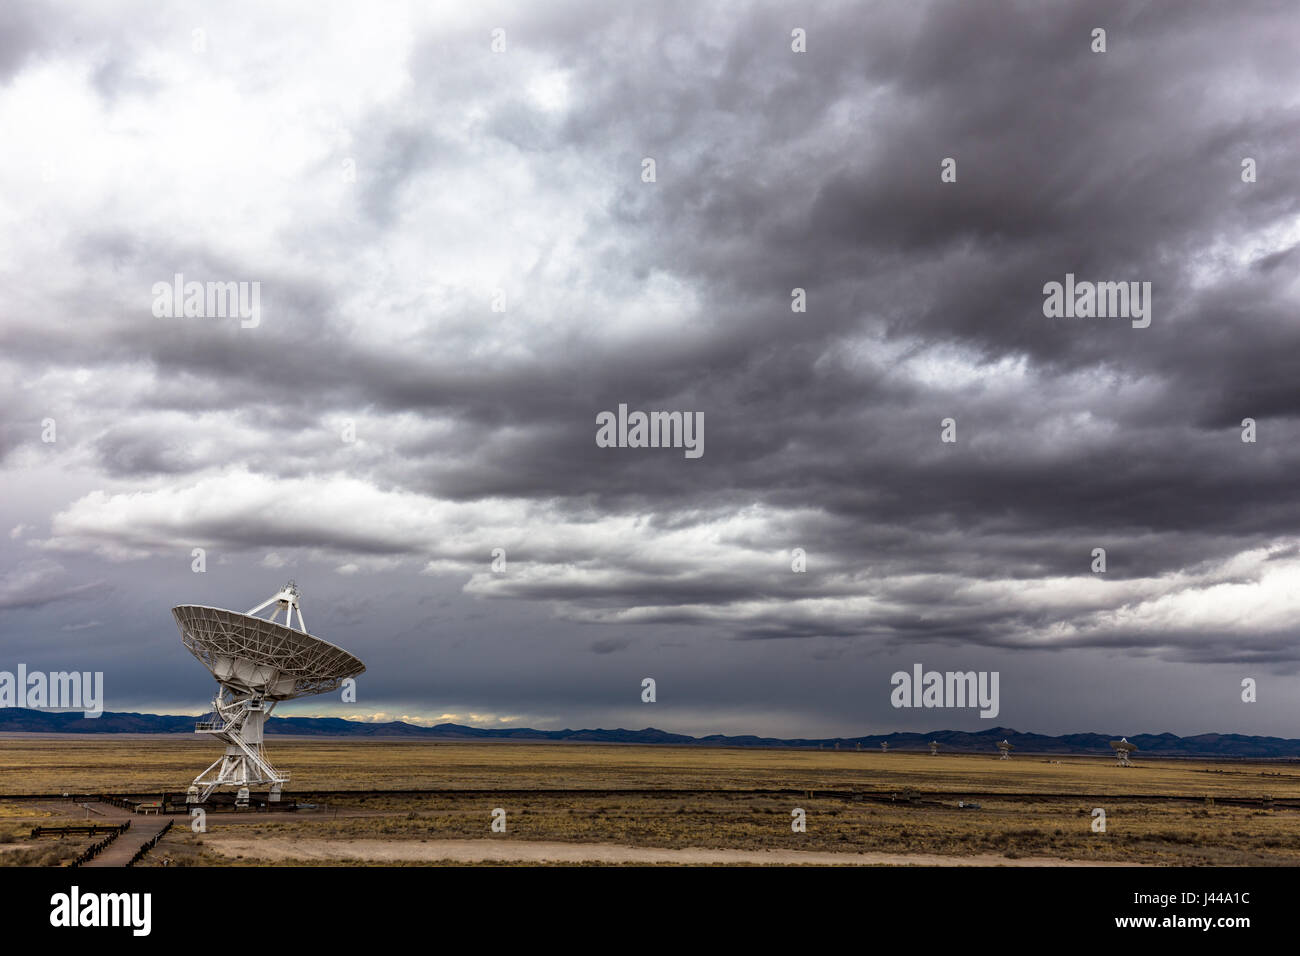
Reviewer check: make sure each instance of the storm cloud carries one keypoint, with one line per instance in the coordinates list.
(461, 266)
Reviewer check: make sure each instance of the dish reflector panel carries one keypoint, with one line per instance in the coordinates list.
(263, 657)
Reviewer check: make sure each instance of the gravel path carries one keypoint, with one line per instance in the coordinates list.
(510, 851)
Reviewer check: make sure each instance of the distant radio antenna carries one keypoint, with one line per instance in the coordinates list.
(1005, 749)
(1122, 749)
(257, 662)
(934, 748)
(884, 746)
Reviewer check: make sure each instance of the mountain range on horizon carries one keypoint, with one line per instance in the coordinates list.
(24, 720)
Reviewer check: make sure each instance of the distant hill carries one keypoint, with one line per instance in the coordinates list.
(21, 720)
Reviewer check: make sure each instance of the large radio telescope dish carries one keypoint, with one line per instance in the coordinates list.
(257, 663)
(1122, 749)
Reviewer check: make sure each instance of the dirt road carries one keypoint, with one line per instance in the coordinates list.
(274, 849)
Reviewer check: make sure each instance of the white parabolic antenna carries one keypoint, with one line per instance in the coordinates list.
(1122, 749)
(257, 662)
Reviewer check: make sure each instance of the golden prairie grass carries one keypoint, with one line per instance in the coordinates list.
(1029, 806)
(43, 764)
(1136, 831)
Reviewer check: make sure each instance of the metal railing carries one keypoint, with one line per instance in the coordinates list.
(149, 844)
(94, 850)
(86, 829)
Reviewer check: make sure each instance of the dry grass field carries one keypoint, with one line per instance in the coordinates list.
(883, 807)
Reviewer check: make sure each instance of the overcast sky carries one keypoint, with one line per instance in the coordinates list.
(460, 263)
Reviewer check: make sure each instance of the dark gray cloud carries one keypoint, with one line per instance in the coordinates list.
(473, 173)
